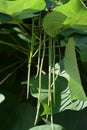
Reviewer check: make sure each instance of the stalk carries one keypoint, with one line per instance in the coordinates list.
(39, 55)
(50, 102)
(19, 48)
(40, 79)
(54, 72)
(30, 57)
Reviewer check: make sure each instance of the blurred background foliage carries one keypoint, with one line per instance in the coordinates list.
(17, 112)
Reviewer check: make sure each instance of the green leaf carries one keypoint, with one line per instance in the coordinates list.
(35, 88)
(19, 6)
(16, 116)
(62, 94)
(23, 118)
(80, 37)
(71, 14)
(72, 120)
(71, 68)
(7, 109)
(4, 18)
(47, 127)
(53, 23)
(81, 43)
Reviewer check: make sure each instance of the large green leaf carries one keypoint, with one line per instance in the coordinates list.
(23, 117)
(62, 95)
(72, 120)
(7, 109)
(18, 6)
(16, 115)
(71, 68)
(71, 14)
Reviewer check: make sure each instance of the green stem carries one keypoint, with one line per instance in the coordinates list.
(30, 57)
(54, 71)
(50, 102)
(50, 65)
(5, 78)
(19, 48)
(9, 66)
(39, 54)
(40, 79)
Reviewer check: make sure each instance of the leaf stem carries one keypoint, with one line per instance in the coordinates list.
(50, 102)
(54, 72)
(40, 81)
(30, 57)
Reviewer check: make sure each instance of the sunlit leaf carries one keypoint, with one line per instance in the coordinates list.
(71, 14)
(71, 68)
(18, 6)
